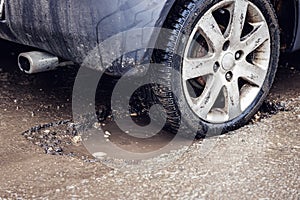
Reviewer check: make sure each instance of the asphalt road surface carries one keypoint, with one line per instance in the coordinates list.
(259, 161)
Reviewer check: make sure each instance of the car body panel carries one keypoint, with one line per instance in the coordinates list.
(296, 43)
(72, 28)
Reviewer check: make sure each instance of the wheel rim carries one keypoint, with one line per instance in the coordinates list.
(226, 60)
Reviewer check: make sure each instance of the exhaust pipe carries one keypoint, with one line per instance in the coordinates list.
(35, 62)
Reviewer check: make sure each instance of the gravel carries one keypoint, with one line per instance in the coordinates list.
(259, 161)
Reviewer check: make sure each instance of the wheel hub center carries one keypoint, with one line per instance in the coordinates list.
(228, 62)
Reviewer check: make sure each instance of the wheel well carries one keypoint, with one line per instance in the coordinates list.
(286, 11)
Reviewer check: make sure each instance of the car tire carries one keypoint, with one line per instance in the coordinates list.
(217, 63)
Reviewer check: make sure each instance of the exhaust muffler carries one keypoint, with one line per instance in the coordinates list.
(35, 62)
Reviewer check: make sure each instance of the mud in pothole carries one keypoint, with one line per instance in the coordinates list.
(269, 108)
(59, 138)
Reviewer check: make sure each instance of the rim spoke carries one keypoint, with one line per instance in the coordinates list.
(250, 72)
(232, 96)
(211, 31)
(196, 67)
(239, 14)
(255, 38)
(205, 102)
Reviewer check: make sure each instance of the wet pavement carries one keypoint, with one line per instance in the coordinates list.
(259, 161)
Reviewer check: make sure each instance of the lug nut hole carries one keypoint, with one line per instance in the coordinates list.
(238, 55)
(216, 67)
(226, 45)
(229, 76)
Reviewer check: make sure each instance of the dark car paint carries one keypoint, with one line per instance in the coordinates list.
(288, 17)
(296, 43)
(71, 28)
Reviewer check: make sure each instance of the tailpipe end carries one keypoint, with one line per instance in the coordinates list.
(35, 62)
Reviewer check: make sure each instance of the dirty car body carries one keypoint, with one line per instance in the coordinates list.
(71, 28)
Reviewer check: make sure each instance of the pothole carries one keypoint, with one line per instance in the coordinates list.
(63, 138)
(269, 108)
(59, 138)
